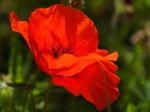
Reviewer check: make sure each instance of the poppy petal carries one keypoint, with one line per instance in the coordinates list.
(112, 57)
(74, 29)
(19, 26)
(95, 84)
(102, 52)
(43, 23)
(69, 65)
(68, 83)
(110, 65)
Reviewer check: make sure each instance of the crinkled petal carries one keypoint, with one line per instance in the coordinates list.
(69, 65)
(110, 65)
(95, 83)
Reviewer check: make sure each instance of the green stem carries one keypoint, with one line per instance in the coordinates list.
(47, 97)
(32, 103)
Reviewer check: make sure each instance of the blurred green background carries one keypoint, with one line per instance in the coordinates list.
(123, 25)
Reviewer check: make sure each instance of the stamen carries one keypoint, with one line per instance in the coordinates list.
(57, 50)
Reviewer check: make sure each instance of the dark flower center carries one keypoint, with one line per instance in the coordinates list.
(57, 50)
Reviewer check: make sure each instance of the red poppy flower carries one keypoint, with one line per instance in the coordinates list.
(64, 43)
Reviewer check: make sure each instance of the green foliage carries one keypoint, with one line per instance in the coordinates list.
(123, 25)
